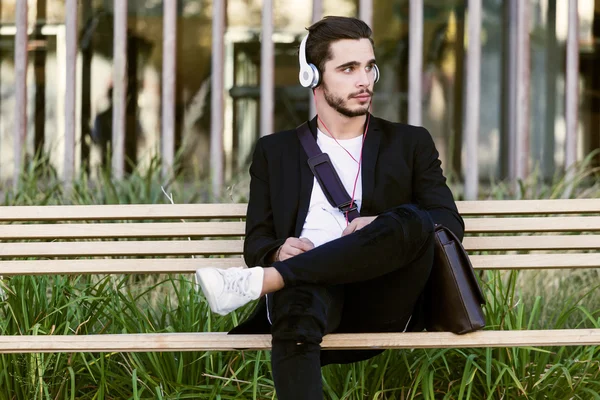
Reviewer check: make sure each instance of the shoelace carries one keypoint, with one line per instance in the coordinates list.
(237, 282)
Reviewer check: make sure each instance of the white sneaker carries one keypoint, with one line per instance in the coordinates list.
(231, 288)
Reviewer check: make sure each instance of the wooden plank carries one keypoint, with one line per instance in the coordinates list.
(71, 11)
(238, 210)
(472, 106)
(415, 62)
(115, 266)
(20, 132)
(116, 230)
(536, 261)
(189, 265)
(542, 242)
(168, 87)
(215, 247)
(122, 248)
(121, 212)
(221, 341)
(516, 207)
(120, 88)
(533, 224)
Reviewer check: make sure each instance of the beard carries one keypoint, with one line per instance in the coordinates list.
(340, 104)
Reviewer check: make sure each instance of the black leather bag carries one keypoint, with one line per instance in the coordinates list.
(452, 297)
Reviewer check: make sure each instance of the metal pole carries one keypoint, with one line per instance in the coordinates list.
(20, 88)
(415, 62)
(365, 11)
(71, 9)
(317, 14)
(571, 94)
(572, 90)
(473, 99)
(168, 86)
(216, 98)
(119, 88)
(522, 92)
(267, 70)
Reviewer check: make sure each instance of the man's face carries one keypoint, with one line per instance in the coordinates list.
(348, 77)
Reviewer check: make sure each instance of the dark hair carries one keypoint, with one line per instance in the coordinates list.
(330, 29)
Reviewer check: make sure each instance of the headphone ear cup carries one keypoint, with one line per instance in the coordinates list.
(376, 72)
(316, 76)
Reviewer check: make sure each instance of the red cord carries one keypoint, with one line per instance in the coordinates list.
(359, 162)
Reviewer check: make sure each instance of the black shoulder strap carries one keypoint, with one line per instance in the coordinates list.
(321, 166)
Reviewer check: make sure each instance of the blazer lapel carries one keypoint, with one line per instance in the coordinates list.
(306, 179)
(369, 161)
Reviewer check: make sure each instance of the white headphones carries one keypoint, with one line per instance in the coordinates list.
(309, 75)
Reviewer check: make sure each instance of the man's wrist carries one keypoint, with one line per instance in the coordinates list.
(276, 254)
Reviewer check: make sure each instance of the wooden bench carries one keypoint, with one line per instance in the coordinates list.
(43, 240)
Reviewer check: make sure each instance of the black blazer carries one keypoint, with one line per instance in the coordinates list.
(400, 165)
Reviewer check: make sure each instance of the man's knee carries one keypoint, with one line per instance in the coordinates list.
(416, 223)
(302, 314)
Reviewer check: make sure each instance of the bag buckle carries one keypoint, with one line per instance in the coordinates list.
(345, 207)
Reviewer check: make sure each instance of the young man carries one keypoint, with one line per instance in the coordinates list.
(321, 274)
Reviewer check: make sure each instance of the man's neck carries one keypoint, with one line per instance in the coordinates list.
(340, 126)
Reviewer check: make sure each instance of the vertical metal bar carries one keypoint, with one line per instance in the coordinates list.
(267, 71)
(365, 11)
(571, 89)
(119, 88)
(70, 92)
(473, 99)
(415, 62)
(455, 142)
(552, 63)
(522, 92)
(39, 68)
(216, 98)
(317, 14)
(86, 86)
(509, 95)
(20, 88)
(168, 86)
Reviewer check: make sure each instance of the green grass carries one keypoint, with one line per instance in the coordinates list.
(45, 305)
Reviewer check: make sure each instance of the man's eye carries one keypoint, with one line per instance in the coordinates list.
(369, 68)
(348, 69)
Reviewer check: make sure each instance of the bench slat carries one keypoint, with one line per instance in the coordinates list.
(544, 242)
(534, 224)
(222, 341)
(121, 230)
(228, 247)
(115, 266)
(513, 207)
(536, 261)
(180, 229)
(121, 212)
(122, 248)
(235, 210)
(189, 265)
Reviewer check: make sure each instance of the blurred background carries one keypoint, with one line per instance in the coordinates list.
(443, 78)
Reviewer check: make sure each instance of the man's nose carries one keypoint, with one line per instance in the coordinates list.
(364, 78)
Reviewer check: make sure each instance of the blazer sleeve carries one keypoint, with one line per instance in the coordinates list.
(261, 240)
(430, 189)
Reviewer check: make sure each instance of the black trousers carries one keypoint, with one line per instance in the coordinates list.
(368, 281)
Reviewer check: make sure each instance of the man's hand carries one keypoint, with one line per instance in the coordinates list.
(357, 224)
(292, 247)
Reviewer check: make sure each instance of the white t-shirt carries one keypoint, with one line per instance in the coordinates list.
(323, 221)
